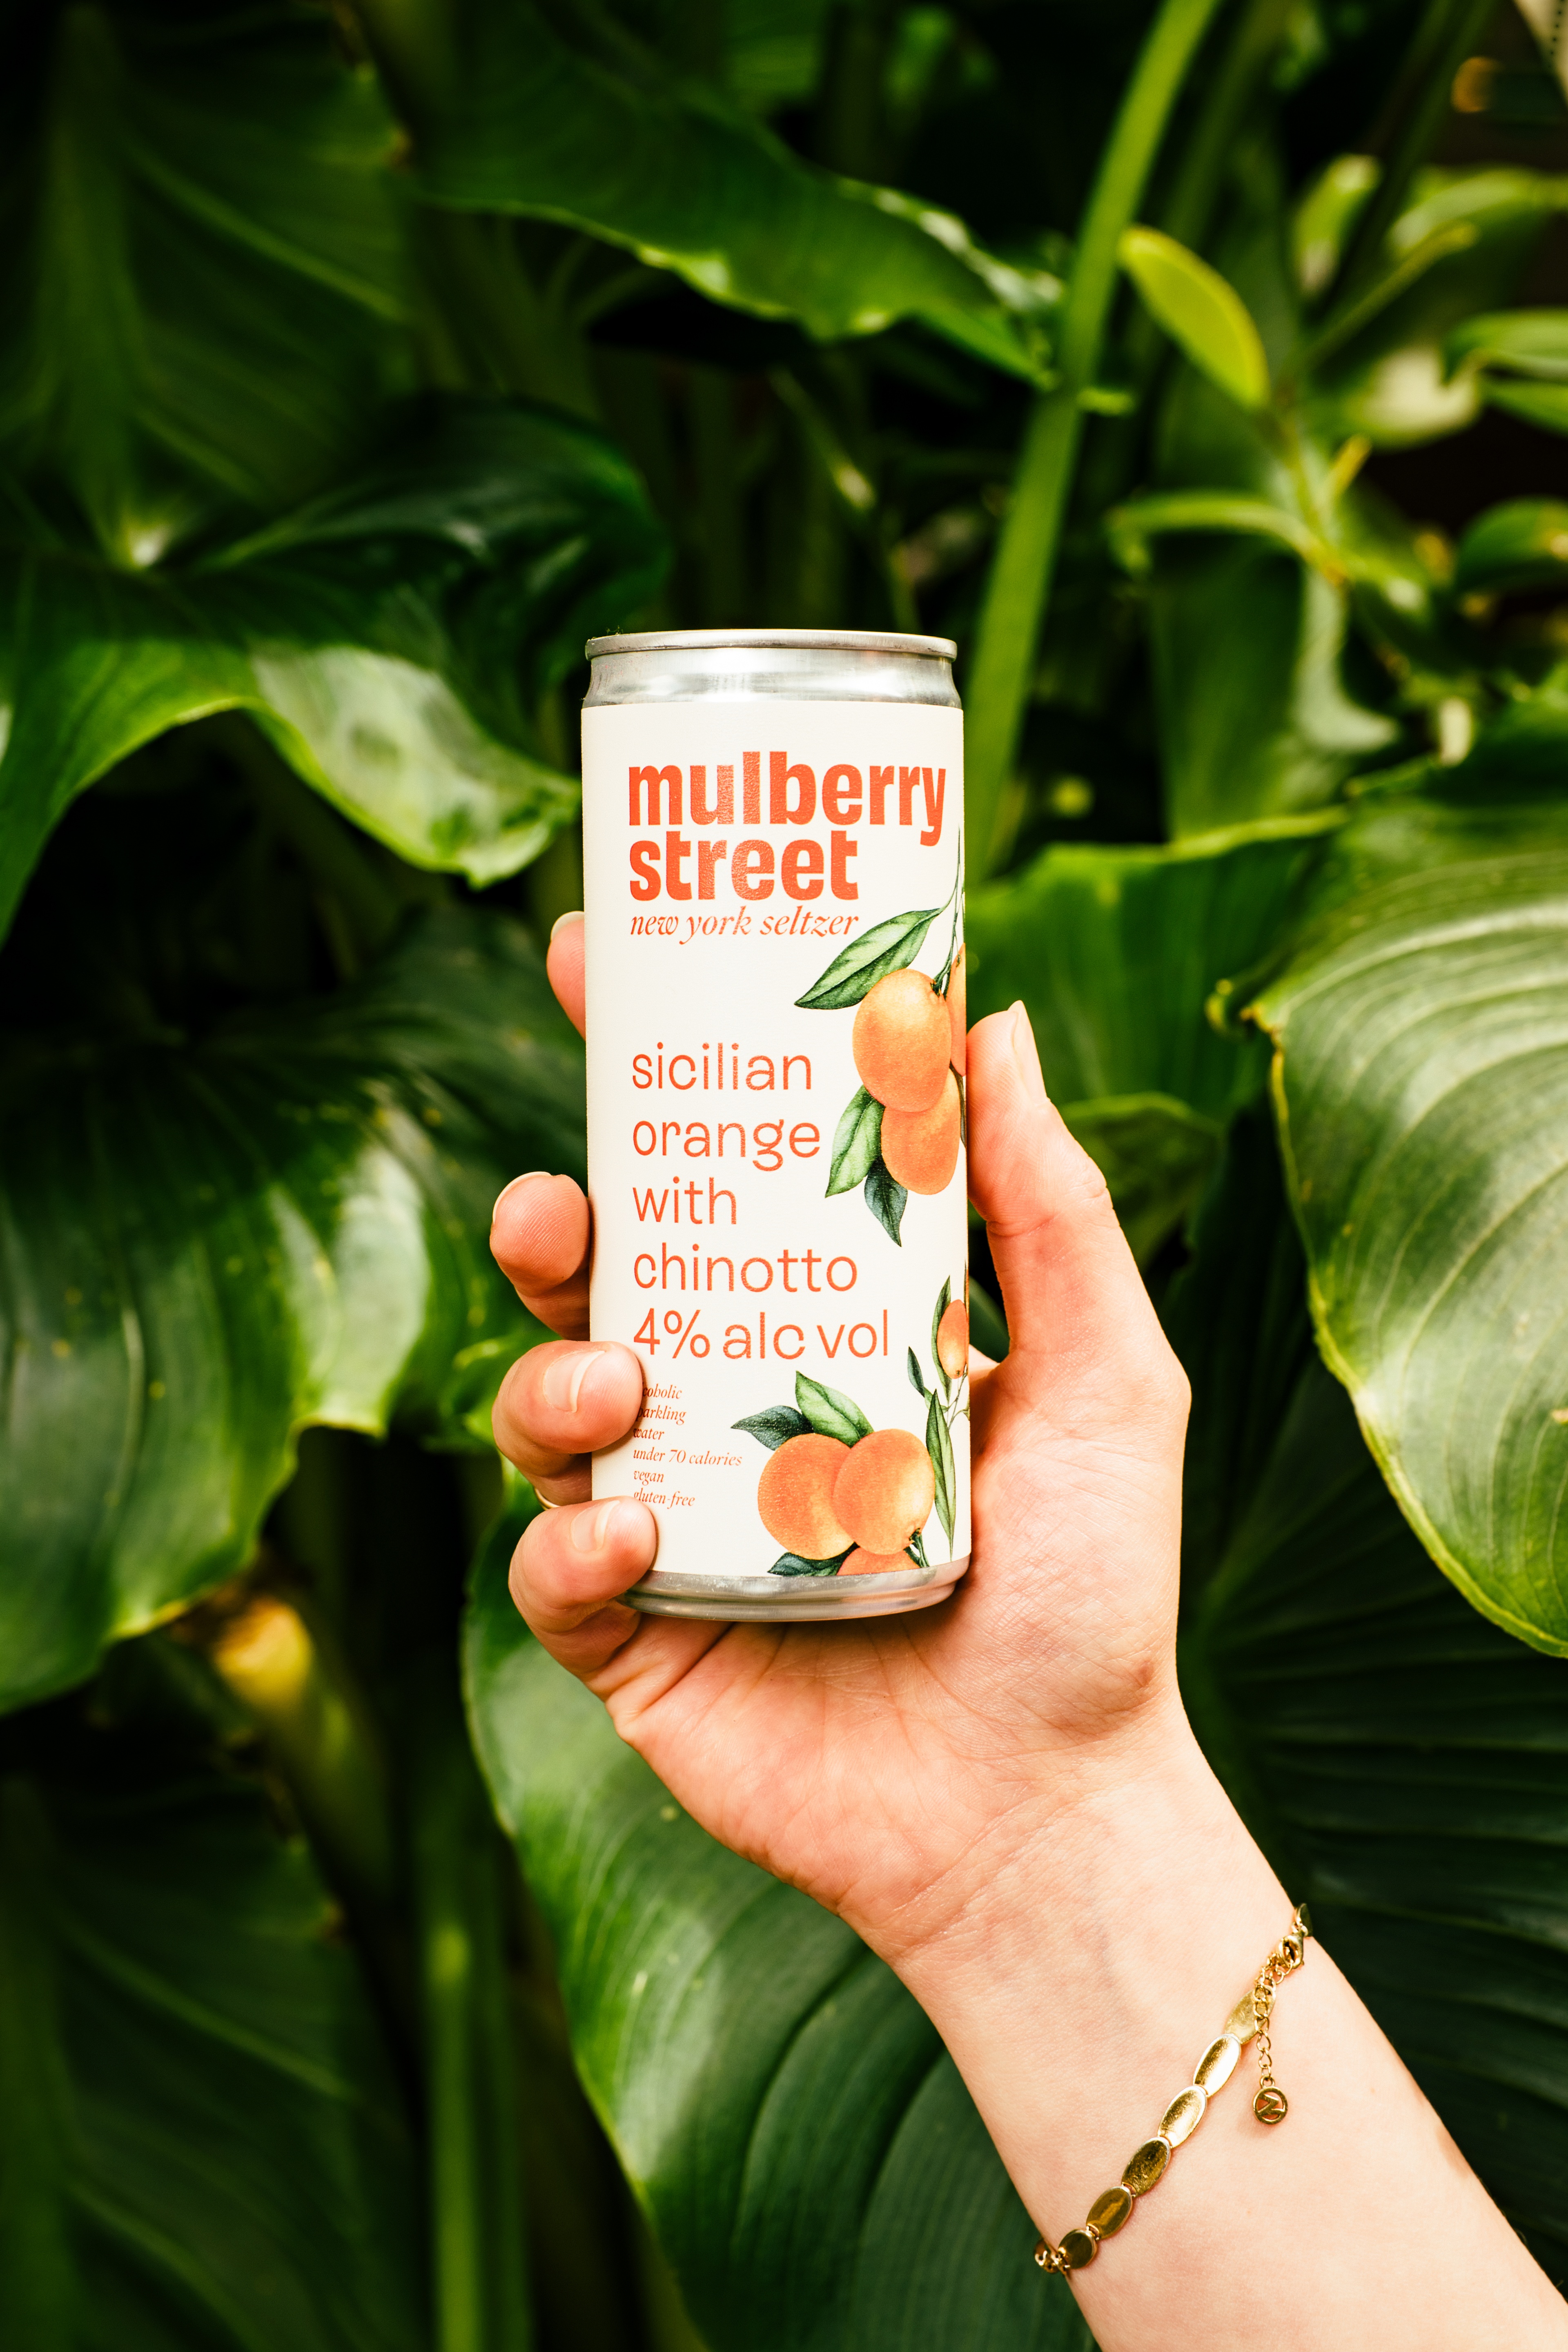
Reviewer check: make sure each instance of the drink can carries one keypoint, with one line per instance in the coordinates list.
(772, 827)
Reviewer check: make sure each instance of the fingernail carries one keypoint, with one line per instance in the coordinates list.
(508, 1189)
(1026, 1054)
(564, 1376)
(575, 916)
(590, 1530)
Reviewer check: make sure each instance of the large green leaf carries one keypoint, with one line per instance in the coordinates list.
(200, 269)
(779, 2101)
(1404, 1761)
(206, 1242)
(385, 636)
(1422, 1082)
(1115, 952)
(201, 2141)
(543, 128)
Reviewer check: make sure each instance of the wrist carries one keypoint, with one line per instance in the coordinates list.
(1099, 1948)
(1059, 1835)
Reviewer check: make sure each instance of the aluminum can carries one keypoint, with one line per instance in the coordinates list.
(773, 827)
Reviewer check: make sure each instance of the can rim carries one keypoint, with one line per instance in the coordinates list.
(846, 641)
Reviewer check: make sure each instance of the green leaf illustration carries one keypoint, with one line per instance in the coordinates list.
(857, 1143)
(938, 1445)
(916, 1383)
(855, 971)
(943, 1300)
(776, 1427)
(830, 1411)
(790, 1563)
(885, 1198)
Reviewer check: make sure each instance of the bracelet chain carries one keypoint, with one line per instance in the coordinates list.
(1250, 2017)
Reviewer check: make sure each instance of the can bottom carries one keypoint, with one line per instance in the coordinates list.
(757, 1599)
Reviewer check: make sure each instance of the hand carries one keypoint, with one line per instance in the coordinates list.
(886, 1765)
(1001, 1793)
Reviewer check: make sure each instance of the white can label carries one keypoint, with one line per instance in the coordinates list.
(775, 933)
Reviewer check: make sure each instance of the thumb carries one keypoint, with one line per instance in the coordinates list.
(1069, 1283)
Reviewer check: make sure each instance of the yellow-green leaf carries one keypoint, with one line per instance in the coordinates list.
(1200, 311)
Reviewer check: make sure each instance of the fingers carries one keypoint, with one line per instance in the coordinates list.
(539, 1237)
(568, 1572)
(567, 1575)
(1069, 1283)
(563, 963)
(560, 1403)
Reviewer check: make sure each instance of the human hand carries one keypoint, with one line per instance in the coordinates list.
(885, 1764)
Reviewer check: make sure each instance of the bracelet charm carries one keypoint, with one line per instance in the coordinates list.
(1249, 2018)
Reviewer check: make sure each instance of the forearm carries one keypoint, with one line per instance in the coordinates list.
(1077, 1986)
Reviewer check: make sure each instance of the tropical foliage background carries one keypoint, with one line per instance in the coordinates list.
(360, 1992)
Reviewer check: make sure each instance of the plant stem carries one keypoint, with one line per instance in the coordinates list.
(480, 2288)
(1448, 31)
(1021, 572)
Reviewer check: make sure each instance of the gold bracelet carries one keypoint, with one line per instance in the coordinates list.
(1181, 2119)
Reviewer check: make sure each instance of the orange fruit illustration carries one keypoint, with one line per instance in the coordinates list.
(958, 1012)
(875, 1563)
(794, 1497)
(953, 1340)
(921, 1148)
(885, 1489)
(902, 1041)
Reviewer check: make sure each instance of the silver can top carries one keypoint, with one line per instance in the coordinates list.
(770, 665)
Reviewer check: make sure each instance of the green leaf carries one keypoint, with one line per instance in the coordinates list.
(1520, 544)
(1422, 1082)
(204, 263)
(1254, 716)
(791, 1563)
(687, 186)
(1378, 360)
(938, 1445)
(1131, 527)
(1535, 342)
(776, 1427)
(1115, 951)
(1116, 955)
(856, 1142)
(781, 2108)
(830, 1411)
(205, 2142)
(374, 634)
(886, 1200)
(888, 946)
(1326, 214)
(943, 1299)
(208, 1242)
(1400, 1758)
(1201, 311)
(1545, 405)
(917, 1380)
